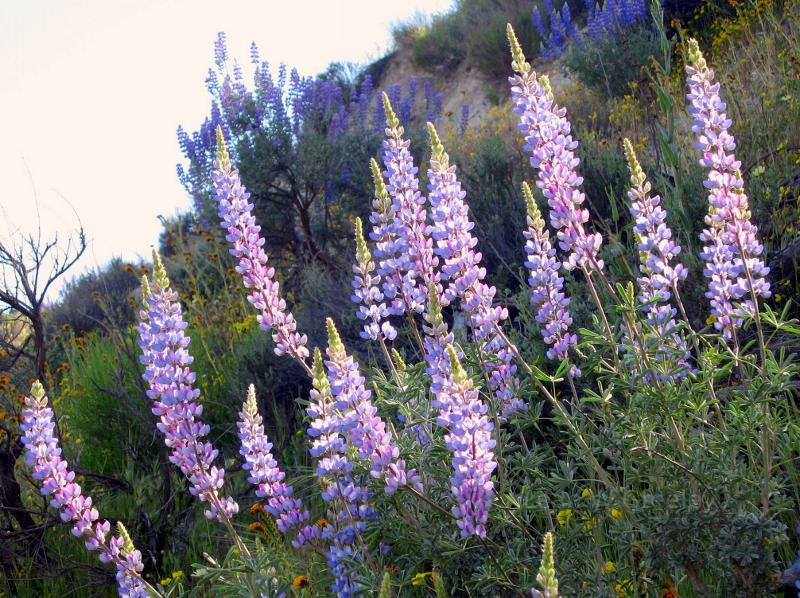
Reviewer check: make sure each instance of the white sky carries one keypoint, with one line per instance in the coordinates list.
(91, 92)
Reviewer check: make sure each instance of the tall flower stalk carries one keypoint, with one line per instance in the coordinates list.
(367, 293)
(43, 455)
(235, 212)
(175, 400)
(460, 268)
(732, 251)
(264, 473)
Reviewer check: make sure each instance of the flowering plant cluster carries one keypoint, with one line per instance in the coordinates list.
(466, 471)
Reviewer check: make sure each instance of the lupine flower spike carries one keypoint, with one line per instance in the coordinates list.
(367, 292)
(263, 469)
(547, 284)
(658, 276)
(175, 401)
(43, 455)
(547, 571)
(235, 212)
(732, 251)
(455, 246)
(363, 428)
(471, 444)
(347, 499)
(417, 262)
(547, 137)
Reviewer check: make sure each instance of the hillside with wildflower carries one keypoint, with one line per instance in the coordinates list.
(509, 312)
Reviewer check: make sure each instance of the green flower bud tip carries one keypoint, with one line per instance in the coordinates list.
(223, 157)
(391, 118)
(250, 406)
(544, 81)
(381, 194)
(127, 546)
(518, 62)
(437, 149)
(362, 251)
(398, 359)
(694, 53)
(334, 340)
(159, 272)
(37, 390)
(146, 292)
(547, 570)
(386, 586)
(318, 377)
(457, 371)
(438, 585)
(637, 174)
(434, 308)
(534, 215)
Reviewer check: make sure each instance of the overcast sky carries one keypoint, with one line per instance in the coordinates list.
(91, 92)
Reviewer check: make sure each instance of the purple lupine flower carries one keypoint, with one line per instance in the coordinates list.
(367, 293)
(547, 137)
(417, 263)
(220, 51)
(464, 118)
(237, 218)
(263, 470)
(538, 22)
(547, 285)
(170, 385)
(732, 251)
(347, 498)
(658, 276)
(470, 441)
(455, 246)
(43, 455)
(364, 429)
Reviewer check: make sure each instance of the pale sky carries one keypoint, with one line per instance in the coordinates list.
(91, 92)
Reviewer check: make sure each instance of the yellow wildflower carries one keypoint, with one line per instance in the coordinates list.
(301, 581)
(564, 516)
(586, 493)
(609, 567)
(616, 513)
(165, 582)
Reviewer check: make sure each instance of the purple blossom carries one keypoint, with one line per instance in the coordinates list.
(175, 401)
(263, 469)
(363, 428)
(547, 137)
(461, 269)
(657, 275)
(43, 455)
(470, 441)
(732, 251)
(367, 293)
(547, 285)
(235, 212)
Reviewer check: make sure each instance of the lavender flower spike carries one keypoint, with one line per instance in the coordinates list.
(175, 401)
(264, 471)
(417, 262)
(366, 291)
(657, 275)
(388, 245)
(455, 246)
(43, 455)
(547, 285)
(236, 215)
(363, 428)
(472, 446)
(547, 137)
(732, 251)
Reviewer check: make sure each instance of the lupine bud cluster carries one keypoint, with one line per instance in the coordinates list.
(235, 212)
(460, 267)
(732, 251)
(175, 401)
(362, 427)
(470, 441)
(367, 292)
(547, 284)
(43, 455)
(657, 275)
(547, 136)
(264, 473)
(547, 571)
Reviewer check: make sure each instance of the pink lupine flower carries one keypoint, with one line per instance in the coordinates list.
(657, 274)
(547, 137)
(43, 455)
(244, 234)
(470, 441)
(263, 469)
(455, 246)
(175, 401)
(547, 285)
(363, 428)
(367, 293)
(417, 262)
(732, 251)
